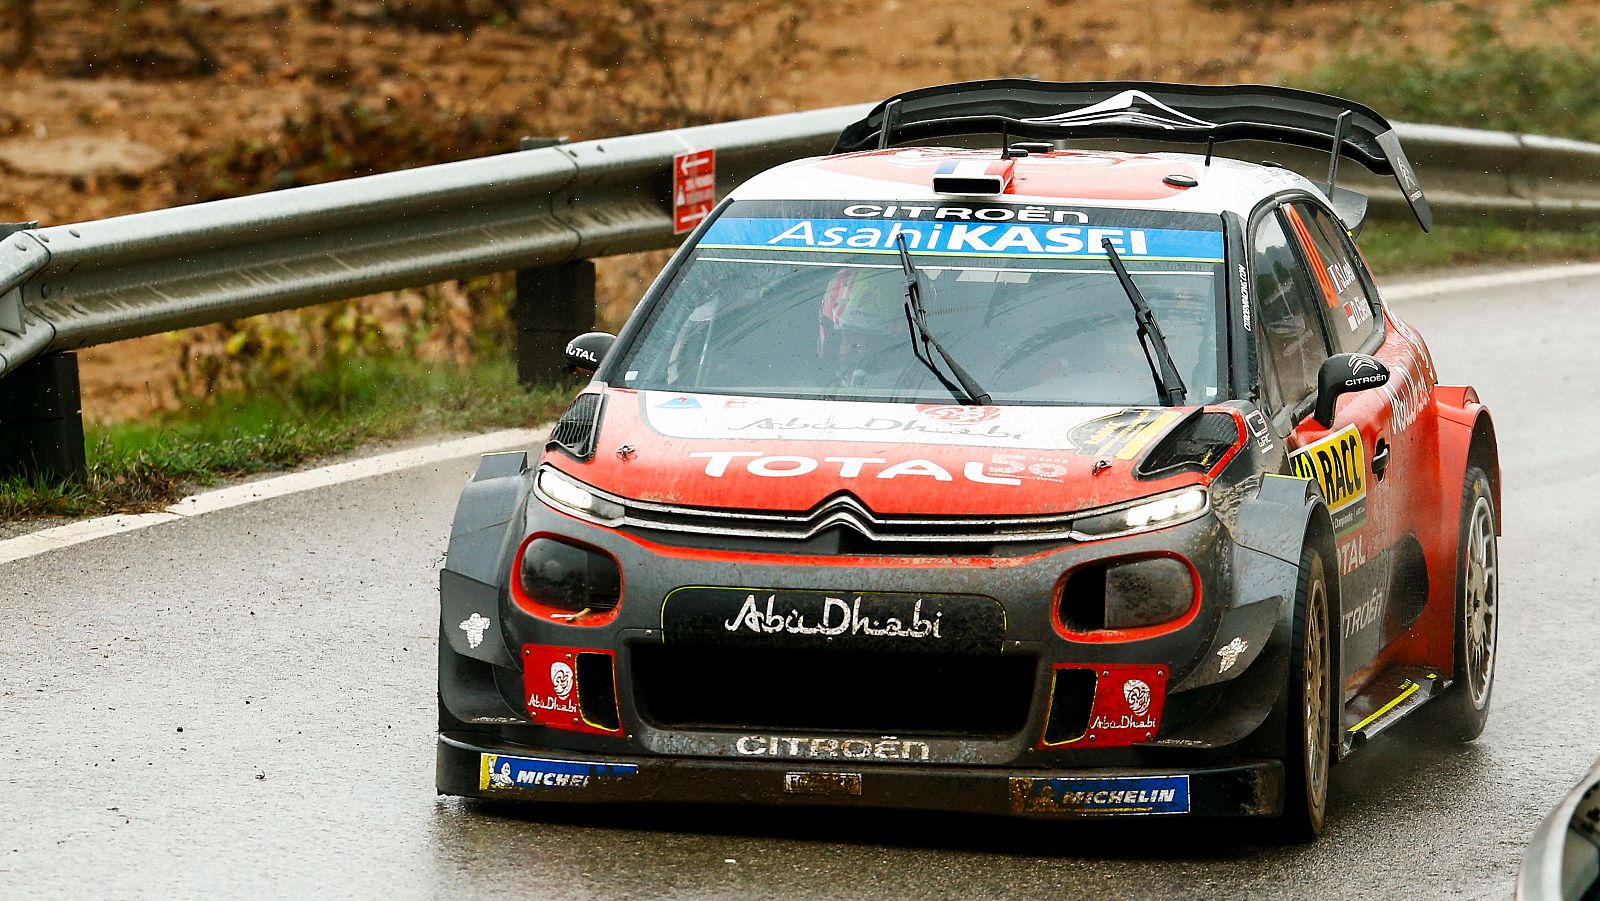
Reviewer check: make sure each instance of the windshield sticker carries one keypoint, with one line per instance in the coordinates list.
(965, 239)
(1123, 434)
(1044, 428)
(966, 213)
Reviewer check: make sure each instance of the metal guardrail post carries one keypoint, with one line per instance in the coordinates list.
(554, 305)
(41, 426)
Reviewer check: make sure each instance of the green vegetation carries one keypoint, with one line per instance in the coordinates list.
(140, 466)
(1393, 247)
(1484, 81)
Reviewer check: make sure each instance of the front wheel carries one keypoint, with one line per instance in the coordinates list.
(1464, 709)
(1310, 718)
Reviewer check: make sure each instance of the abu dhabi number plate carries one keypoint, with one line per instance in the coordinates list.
(757, 617)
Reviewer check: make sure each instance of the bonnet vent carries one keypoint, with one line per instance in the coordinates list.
(577, 429)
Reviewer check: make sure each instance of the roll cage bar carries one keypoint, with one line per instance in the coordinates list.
(1181, 113)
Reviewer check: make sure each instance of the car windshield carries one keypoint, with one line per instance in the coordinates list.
(808, 299)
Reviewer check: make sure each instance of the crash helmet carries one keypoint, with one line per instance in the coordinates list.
(862, 309)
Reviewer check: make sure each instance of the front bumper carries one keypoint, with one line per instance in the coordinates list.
(476, 766)
(1206, 707)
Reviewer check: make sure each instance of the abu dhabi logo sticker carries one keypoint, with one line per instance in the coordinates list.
(958, 413)
(561, 679)
(474, 625)
(1137, 693)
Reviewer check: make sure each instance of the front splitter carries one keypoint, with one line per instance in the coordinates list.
(478, 767)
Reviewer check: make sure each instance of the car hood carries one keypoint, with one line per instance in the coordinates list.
(757, 453)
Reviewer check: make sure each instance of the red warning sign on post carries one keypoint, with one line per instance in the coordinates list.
(694, 188)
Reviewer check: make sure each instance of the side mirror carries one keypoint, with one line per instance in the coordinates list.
(585, 352)
(1342, 374)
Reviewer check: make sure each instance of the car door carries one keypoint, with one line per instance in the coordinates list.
(1402, 457)
(1302, 284)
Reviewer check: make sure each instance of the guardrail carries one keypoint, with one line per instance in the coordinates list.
(102, 281)
(70, 286)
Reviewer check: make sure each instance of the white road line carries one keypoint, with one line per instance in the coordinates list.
(79, 532)
(1462, 283)
(47, 540)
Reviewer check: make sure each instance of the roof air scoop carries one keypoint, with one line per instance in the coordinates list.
(973, 178)
(1126, 108)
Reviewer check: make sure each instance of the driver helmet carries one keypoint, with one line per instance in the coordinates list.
(860, 310)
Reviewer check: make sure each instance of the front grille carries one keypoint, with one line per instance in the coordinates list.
(842, 512)
(689, 686)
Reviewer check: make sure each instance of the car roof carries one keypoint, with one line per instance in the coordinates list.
(1101, 178)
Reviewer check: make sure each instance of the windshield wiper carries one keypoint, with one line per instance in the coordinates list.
(1169, 385)
(918, 319)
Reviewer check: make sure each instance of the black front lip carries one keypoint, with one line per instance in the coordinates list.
(1247, 788)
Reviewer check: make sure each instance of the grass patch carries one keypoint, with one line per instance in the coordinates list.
(1392, 248)
(140, 466)
(1484, 81)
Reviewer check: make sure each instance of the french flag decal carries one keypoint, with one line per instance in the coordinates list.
(973, 177)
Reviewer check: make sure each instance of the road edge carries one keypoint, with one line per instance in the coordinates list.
(73, 533)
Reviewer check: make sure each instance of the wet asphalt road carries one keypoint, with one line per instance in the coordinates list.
(242, 705)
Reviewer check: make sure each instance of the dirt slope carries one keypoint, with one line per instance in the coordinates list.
(168, 103)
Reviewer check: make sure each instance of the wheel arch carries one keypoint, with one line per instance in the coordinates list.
(1319, 534)
(1466, 438)
(1287, 514)
(1484, 452)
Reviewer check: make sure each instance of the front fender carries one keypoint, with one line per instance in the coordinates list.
(1270, 518)
(487, 525)
(1466, 436)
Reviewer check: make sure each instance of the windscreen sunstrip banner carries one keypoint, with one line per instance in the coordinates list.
(963, 230)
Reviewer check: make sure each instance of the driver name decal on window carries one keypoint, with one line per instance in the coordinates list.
(965, 239)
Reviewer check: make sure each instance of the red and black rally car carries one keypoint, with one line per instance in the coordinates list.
(1022, 478)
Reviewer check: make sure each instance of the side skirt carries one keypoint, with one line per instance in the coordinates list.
(1388, 698)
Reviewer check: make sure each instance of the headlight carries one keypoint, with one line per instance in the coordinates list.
(564, 492)
(1156, 513)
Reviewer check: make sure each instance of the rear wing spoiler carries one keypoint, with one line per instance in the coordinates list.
(1181, 113)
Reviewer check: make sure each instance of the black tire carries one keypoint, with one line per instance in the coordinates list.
(1310, 697)
(1464, 709)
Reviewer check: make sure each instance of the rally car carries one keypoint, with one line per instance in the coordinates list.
(1014, 477)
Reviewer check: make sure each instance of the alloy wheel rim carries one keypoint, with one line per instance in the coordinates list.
(1314, 693)
(1481, 601)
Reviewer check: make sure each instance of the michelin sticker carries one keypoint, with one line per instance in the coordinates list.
(1338, 463)
(1132, 795)
(474, 625)
(503, 771)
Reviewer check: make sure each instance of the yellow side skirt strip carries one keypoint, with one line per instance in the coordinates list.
(1411, 689)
